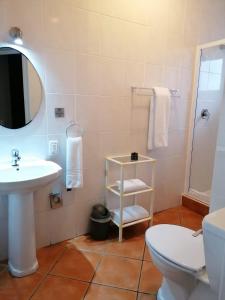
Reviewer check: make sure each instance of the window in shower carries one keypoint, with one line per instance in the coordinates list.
(209, 98)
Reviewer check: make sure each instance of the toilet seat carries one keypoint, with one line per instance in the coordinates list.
(177, 245)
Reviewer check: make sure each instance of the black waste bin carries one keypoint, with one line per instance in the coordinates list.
(100, 219)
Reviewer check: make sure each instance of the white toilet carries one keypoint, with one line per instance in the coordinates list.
(193, 268)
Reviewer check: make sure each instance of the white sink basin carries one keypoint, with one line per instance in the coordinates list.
(30, 175)
(19, 182)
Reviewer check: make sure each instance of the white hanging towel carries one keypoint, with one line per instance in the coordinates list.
(74, 163)
(159, 117)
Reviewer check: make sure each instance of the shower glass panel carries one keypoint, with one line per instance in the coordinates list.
(209, 99)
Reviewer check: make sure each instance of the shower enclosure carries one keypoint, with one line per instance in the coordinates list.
(208, 97)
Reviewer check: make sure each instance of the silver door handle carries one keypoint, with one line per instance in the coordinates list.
(205, 114)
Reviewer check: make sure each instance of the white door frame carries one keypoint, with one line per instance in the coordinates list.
(193, 106)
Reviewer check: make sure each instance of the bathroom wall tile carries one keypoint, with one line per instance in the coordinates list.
(193, 19)
(58, 22)
(42, 225)
(179, 117)
(86, 33)
(93, 5)
(62, 228)
(114, 37)
(140, 112)
(134, 75)
(186, 82)
(41, 200)
(158, 14)
(115, 108)
(134, 10)
(153, 75)
(92, 193)
(176, 15)
(122, 39)
(188, 56)
(171, 77)
(3, 207)
(3, 20)
(3, 238)
(58, 125)
(113, 77)
(156, 47)
(88, 74)
(91, 147)
(139, 141)
(60, 71)
(114, 143)
(31, 24)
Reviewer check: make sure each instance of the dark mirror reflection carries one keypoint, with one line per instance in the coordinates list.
(20, 89)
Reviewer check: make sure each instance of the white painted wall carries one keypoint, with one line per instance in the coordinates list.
(89, 54)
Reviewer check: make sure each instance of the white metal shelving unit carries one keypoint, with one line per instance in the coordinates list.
(122, 162)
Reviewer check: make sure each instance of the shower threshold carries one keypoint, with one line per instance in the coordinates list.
(194, 204)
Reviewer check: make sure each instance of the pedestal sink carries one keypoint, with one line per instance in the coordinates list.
(19, 183)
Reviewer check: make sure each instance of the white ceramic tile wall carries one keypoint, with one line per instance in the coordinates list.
(89, 53)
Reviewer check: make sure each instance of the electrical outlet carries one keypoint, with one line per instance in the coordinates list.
(53, 147)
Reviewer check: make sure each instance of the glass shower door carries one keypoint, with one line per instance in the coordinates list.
(209, 99)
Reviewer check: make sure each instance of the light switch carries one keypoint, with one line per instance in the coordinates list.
(59, 112)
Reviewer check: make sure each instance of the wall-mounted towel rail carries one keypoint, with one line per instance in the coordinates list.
(150, 91)
(74, 128)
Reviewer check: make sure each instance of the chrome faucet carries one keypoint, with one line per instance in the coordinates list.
(15, 157)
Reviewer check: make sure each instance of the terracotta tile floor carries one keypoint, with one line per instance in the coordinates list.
(100, 270)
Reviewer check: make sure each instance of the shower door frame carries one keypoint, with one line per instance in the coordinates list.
(194, 99)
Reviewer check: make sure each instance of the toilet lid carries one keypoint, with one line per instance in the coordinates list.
(176, 244)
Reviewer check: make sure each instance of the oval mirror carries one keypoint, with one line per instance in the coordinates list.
(20, 89)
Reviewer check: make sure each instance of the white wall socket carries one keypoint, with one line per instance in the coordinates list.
(53, 147)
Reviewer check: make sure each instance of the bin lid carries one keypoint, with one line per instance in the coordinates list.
(99, 211)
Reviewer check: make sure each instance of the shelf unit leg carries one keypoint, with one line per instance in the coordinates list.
(120, 234)
(152, 194)
(121, 204)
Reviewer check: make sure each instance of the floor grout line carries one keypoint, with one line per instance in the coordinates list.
(142, 262)
(93, 277)
(47, 273)
(107, 254)
(113, 286)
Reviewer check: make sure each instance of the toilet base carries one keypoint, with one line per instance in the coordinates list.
(170, 290)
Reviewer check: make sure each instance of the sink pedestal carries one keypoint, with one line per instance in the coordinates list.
(21, 231)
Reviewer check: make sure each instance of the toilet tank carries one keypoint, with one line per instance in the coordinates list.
(214, 246)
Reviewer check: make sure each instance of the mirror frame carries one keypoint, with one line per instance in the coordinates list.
(28, 54)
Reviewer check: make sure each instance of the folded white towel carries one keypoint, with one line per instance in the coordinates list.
(130, 214)
(159, 116)
(131, 185)
(74, 163)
